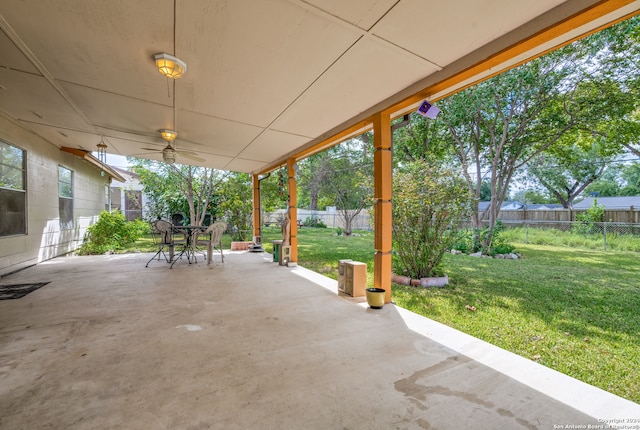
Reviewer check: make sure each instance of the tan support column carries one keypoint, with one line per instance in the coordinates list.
(293, 209)
(257, 228)
(382, 173)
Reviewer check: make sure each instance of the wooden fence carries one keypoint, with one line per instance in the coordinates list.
(624, 215)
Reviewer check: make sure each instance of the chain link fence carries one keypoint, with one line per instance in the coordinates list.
(594, 230)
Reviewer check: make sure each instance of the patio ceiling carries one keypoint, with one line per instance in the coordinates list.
(265, 79)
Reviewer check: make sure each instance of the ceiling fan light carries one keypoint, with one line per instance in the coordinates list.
(168, 135)
(169, 155)
(170, 66)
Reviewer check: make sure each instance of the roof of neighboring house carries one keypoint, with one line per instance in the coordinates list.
(610, 202)
(506, 205)
(126, 172)
(543, 206)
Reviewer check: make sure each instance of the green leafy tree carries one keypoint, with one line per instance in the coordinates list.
(568, 169)
(177, 188)
(497, 126)
(428, 204)
(631, 176)
(607, 185)
(348, 173)
(236, 204)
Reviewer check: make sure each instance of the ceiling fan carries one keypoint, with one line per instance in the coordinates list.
(169, 152)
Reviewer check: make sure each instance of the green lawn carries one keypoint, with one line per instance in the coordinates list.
(574, 310)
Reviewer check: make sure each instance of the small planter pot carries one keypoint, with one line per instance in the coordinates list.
(375, 297)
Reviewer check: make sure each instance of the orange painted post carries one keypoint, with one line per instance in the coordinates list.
(293, 208)
(256, 207)
(382, 172)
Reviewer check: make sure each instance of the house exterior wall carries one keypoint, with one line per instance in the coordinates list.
(44, 238)
(122, 194)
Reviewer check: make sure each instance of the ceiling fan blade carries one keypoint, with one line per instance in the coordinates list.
(152, 149)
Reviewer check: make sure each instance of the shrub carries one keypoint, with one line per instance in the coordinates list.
(586, 221)
(314, 221)
(112, 232)
(471, 241)
(428, 202)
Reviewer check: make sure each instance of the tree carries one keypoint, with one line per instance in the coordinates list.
(177, 188)
(532, 196)
(348, 173)
(236, 204)
(497, 126)
(568, 169)
(631, 176)
(607, 185)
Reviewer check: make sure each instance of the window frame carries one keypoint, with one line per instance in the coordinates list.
(13, 201)
(65, 202)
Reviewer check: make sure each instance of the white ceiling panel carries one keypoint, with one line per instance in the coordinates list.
(370, 73)
(106, 45)
(86, 140)
(112, 111)
(13, 58)
(361, 14)
(441, 33)
(264, 79)
(278, 50)
(241, 165)
(31, 98)
(215, 135)
(270, 143)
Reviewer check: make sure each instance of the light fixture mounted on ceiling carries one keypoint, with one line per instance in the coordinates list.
(170, 66)
(169, 153)
(168, 135)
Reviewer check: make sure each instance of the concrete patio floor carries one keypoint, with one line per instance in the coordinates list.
(248, 344)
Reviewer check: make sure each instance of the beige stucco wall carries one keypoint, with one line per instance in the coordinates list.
(44, 238)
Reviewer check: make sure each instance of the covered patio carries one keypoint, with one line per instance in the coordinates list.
(249, 344)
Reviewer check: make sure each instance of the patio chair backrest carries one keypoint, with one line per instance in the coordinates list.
(177, 219)
(164, 228)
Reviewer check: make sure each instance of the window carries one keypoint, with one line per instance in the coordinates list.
(107, 198)
(13, 195)
(65, 197)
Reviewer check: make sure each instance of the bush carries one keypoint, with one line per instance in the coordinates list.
(428, 201)
(112, 232)
(314, 221)
(586, 221)
(471, 241)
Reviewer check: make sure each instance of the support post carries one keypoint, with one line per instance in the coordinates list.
(382, 172)
(257, 227)
(293, 209)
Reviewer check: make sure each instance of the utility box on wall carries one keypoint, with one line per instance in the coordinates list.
(355, 278)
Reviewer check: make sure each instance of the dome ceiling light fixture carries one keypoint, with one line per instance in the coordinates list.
(168, 135)
(170, 66)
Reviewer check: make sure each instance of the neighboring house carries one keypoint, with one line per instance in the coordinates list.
(542, 206)
(128, 196)
(624, 202)
(48, 197)
(482, 206)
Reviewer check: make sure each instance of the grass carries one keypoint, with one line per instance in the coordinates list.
(574, 309)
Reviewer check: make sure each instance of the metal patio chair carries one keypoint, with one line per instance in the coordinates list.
(162, 234)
